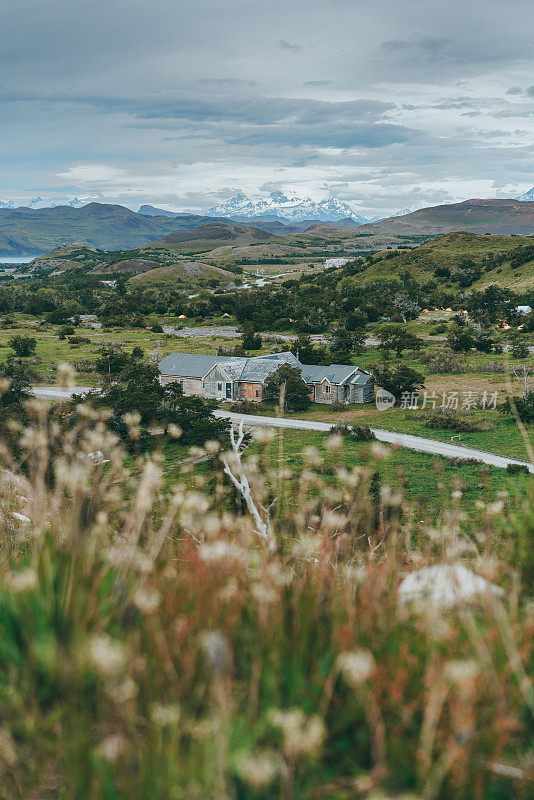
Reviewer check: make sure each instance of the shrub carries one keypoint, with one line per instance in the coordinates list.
(247, 407)
(77, 340)
(338, 406)
(517, 469)
(358, 433)
(23, 346)
(447, 362)
(450, 419)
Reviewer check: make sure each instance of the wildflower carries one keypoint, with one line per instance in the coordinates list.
(111, 747)
(221, 550)
(390, 497)
(164, 716)
(147, 600)
(216, 648)
(174, 430)
(8, 753)
(380, 451)
(258, 769)
(23, 581)
(263, 593)
(356, 666)
(461, 672)
(108, 656)
(302, 735)
(307, 547)
(66, 375)
(212, 447)
(123, 691)
(334, 442)
(311, 455)
(263, 435)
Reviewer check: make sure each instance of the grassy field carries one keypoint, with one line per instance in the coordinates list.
(426, 481)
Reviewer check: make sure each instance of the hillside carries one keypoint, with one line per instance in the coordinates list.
(107, 227)
(478, 216)
(208, 237)
(461, 260)
(192, 273)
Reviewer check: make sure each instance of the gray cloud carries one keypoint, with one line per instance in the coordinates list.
(283, 44)
(386, 104)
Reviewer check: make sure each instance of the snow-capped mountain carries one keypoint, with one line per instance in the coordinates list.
(286, 205)
(39, 202)
(528, 196)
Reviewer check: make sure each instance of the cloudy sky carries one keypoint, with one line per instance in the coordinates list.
(181, 103)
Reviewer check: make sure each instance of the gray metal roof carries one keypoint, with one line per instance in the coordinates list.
(189, 365)
(335, 373)
(258, 368)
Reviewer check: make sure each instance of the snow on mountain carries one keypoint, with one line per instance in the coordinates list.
(528, 196)
(39, 202)
(286, 205)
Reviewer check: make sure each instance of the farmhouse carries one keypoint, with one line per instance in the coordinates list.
(233, 378)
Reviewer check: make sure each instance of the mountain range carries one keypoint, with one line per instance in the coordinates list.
(113, 227)
(39, 202)
(285, 205)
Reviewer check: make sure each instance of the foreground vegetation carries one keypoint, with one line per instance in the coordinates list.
(241, 632)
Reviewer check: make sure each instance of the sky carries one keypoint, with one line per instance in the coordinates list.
(382, 103)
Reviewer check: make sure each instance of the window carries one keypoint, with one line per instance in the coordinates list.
(219, 386)
(327, 389)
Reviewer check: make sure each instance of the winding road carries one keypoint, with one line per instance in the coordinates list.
(418, 443)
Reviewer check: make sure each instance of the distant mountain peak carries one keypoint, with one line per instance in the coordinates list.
(286, 205)
(528, 197)
(40, 202)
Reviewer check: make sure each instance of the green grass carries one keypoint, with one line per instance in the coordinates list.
(425, 479)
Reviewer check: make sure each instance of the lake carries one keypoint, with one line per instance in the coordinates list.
(16, 259)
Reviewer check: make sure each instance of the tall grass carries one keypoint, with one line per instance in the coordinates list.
(154, 646)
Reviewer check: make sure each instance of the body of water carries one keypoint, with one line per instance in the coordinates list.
(16, 259)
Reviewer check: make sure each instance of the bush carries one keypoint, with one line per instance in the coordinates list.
(77, 340)
(447, 362)
(24, 346)
(247, 407)
(358, 433)
(450, 419)
(517, 469)
(338, 406)
(66, 330)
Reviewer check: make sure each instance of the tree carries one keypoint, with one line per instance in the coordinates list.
(308, 353)
(135, 388)
(286, 386)
(392, 337)
(461, 339)
(343, 344)
(65, 330)
(251, 339)
(524, 406)
(112, 361)
(19, 379)
(398, 380)
(23, 346)
(194, 416)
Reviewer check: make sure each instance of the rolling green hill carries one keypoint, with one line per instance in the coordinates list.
(108, 227)
(477, 216)
(455, 258)
(191, 273)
